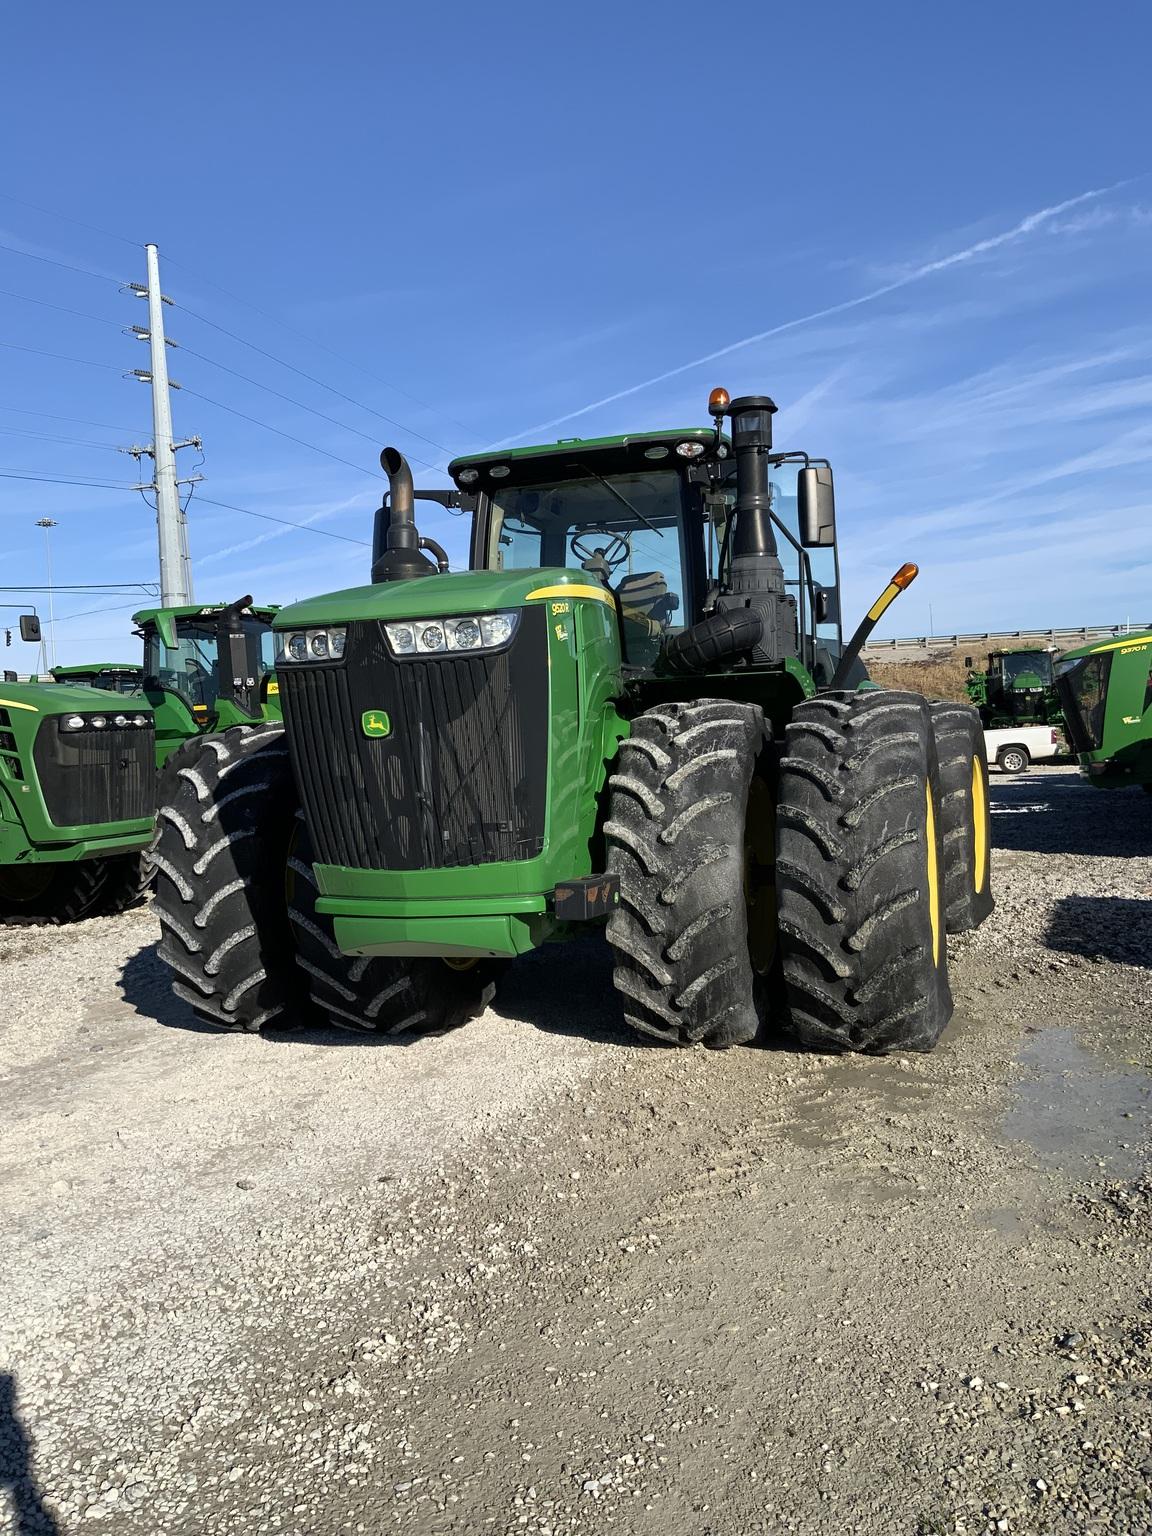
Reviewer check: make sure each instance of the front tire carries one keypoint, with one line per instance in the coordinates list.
(383, 995)
(223, 829)
(128, 883)
(859, 874)
(689, 835)
(33, 895)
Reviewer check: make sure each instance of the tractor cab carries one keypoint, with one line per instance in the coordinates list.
(207, 667)
(1016, 688)
(648, 520)
(111, 676)
(1106, 692)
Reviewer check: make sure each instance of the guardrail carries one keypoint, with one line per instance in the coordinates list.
(911, 646)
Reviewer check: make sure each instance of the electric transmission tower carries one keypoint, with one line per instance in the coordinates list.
(171, 521)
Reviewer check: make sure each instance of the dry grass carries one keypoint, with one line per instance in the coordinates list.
(940, 677)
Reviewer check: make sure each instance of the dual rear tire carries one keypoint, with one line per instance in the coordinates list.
(809, 891)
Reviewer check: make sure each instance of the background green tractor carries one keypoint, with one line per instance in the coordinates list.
(112, 676)
(634, 710)
(206, 668)
(1106, 693)
(77, 794)
(1016, 688)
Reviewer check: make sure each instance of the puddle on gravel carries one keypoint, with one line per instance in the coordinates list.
(1073, 1108)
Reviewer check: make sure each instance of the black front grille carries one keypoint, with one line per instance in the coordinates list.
(459, 779)
(89, 777)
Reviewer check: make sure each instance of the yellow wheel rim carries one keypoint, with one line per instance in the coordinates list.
(933, 874)
(979, 826)
(760, 876)
(460, 962)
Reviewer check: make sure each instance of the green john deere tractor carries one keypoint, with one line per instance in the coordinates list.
(635, 710)
(207, 667)
(111, 676)
(1016, 688)
(1106, 691)
(77, 795)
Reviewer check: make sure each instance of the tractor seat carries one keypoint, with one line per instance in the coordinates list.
(645, 600)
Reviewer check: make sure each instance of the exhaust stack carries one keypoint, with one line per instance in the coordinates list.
(395, 538)
(756, 576)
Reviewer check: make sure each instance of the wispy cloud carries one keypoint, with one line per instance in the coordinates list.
(917, 274)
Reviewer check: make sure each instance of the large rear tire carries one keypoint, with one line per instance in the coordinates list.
(34, 895)
(689, 835)
(964, 816)
(859, 874)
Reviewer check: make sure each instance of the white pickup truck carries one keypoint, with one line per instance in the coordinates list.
(1013, 747)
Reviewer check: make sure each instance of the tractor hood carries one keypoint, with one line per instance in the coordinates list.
(462, 592)
(43, 699)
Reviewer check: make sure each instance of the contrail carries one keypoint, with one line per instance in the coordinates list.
(918, 274)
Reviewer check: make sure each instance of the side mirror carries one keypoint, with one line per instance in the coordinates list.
(30, 627)
(968, 662)
(816, 507)
(10, 677)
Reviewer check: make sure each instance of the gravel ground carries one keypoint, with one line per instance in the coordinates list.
(533, 1277)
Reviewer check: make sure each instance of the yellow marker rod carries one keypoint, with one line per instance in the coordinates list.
(902, 580)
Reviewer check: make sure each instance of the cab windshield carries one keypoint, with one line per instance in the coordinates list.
(1031, 663)
(624, 530)
(191, 667)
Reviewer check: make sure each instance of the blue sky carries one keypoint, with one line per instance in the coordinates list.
(926, 231)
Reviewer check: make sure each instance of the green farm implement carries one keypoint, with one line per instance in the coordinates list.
(1016, 688)
(77, 794)
(634, 711)
(1106, 692)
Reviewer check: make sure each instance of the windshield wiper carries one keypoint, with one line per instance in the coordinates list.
(620, 497)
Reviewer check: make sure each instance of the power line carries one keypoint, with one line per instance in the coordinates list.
(77, 421)
(232, 411)
(79, 313)
(207, 501)
(60, 358)
(51, 261)
(86, 613)
(322, 346)
(312, 379)
(49, 437)
(97, 485)
(332, 421)
(68, 219)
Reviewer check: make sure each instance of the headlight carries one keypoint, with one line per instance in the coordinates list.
(468, 476)
(430, 637)
(462, 634)
(101, 722)
(313, 645)
(690, 450)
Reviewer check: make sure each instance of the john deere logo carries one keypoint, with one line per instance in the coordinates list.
(375, 722)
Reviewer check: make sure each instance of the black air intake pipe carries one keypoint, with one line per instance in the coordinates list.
(395, 538)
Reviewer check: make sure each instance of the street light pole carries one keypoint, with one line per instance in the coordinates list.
(48, 523)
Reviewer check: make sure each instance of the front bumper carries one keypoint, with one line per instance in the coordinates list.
(486, 910)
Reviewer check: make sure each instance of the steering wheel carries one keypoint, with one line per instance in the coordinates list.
(604, 560)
